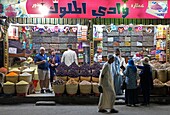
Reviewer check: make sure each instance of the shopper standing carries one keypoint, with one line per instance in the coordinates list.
(131, 83)
(69, 56)
(117, 78)
(43, 70)
(107, 96)
(146, 80)
(97, 57)
(54, 62)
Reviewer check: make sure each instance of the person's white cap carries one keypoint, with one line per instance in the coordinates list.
(42, 48)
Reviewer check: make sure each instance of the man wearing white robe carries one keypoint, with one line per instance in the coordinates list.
(107, 98)
(69, 56)
(117, 77)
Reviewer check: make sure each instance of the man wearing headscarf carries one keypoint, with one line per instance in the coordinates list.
(117, 78)
(107, 96)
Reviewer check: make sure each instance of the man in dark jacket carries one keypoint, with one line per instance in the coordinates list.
(146, 80)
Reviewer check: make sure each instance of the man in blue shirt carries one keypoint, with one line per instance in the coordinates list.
(41, 60)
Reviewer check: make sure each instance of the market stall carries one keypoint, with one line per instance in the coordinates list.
(63, 23)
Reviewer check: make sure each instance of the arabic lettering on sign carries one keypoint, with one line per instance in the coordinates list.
(102, 11)
(137, 5)
(72, 9)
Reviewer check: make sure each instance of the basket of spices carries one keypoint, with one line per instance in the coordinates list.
(9, 88)
(12, 77)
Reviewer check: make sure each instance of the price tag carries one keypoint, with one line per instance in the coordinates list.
(110, 39)
(12, 50)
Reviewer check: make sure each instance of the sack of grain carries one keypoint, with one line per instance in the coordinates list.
(30, 71)
(9, 88)
(15, 70)
(95, 88)
(12, 77)
(162, 75)
(25, 77)
(59, 88)
(71, 88)
(85, 87)
(22, 87)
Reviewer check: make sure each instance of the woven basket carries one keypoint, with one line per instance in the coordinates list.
(94, 79)
(26, 78)
(9, 89)
(30, 72)
(95, 88)
(85, 78)
(71, 89)
(59, 89)
(13, 79)
(63, 77)
(76, 78)
(17, 72)
(22, 88)
(85, 89)
(162, 75)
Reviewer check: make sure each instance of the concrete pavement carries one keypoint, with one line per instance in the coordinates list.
(31, 109)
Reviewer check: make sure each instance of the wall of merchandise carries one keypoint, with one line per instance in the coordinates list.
(32, 37)
(131, 39)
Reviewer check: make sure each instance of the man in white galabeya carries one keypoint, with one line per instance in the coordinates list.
(106, 88)
(69, 56)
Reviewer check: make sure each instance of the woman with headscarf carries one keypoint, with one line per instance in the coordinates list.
(146, 80)
(131, 83)
(107, 96)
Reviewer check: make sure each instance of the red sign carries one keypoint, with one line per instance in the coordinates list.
(101, 8)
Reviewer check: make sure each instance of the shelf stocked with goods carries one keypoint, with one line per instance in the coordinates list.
(23, 38)
(20, 41)
(161, 36)
(168, 45)
(129, 38)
